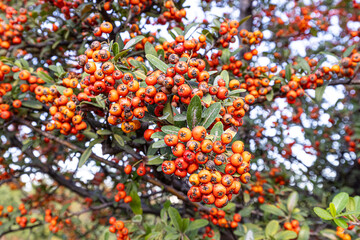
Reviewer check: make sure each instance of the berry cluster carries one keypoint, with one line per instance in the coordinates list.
(121, 194)
(210, 186)
(118, 227)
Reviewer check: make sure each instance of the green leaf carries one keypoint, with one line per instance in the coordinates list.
(115, 48)
(60, 89)
(304, 65)
(106, 235)
(244, 20)
(120, 54)
(168, 113)
(197, 224)
(304, 233)
(351, 204)
(185, 224)
(104, 132)
(341, 223)
(340, 201)
(159, 144)
(149, 49)
(119, 140)
(100, 101)
(64, 208)
(155, 160)
(169, 129)
(32, 104)
(319, 92)
(178, 31)
(133, 41)
(270, 95)
(158, 135)
(272, 209)
(323, 213)
(284, 235)
(90, 134)
(44, 76)
(332, 209)
(292, 201)
(217, 130)
(272, 227)
(135, 204)
(249, 235)
(349, 50)
(189, 26)
(331, 54)
(194, 112)
(288, 72)
(175, 218)
(225, 57)
(225, 75)
(179, 117)
(210, 114)
(157, 63)
(86, 154)
(140, 74)
(137, 218)
(236, 91)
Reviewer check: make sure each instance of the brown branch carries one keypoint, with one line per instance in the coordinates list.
(66, 143)
(20, 229)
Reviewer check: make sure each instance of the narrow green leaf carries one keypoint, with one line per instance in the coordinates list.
(244, 20)
(189, 26)
(115, 48)
(225, 75)
(120, 54)
(304, 65)
(332, 209)
(288, 72)
(133, 42)
(210, 114)
(236, 91)
(86, 154)
(159, 144)
(149, 49)
(194, 112)
(217, 130)
(272, 209)
(292, 201)
(169, 129)
(179, 117)
(157, 63)
(225, 57)
(46, 77)
(100, 101)
(349, 50)
(104, 132)
(32, 104)
(319, 92)
(106, 235)
(119, 140)
(270, 95)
